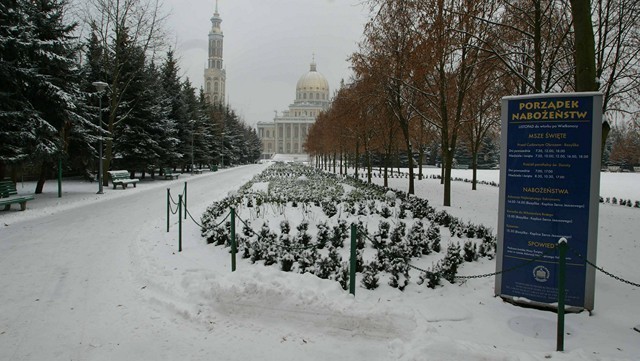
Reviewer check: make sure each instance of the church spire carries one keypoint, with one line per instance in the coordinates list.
(215, 74)
(313, 62)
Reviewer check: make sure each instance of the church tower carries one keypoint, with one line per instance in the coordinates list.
(215, 76)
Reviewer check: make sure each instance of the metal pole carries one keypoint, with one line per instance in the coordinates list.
(192, 121)
(168, 207)
(100, 170)
(562, 247)
(185, 200)
(60, 177)
(233, 240)
(180, 223)
(352, 266)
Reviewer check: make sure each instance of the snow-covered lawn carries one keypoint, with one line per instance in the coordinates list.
(97, 277)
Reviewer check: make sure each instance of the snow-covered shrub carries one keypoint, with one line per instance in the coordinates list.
(361, 235)
(217, 236)
(323, 235)
(359, 260)
(285, 228)
(418, 239)
(442, 218)
(470, 231)
(380, 238)
(370, 275)
(451, 261)
(324, 267)
(286, 261)
(362, 209)
(433, 233)
(399, 270)
(307, 259)
(470, 251)
(385, 212)
(342, 276)
(329, 208)
(339, 233)
(402, 214)
(260, 244)
(302, 237)
(431, 275)
(348, 207)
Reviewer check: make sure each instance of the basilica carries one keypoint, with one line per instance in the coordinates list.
(287, 133)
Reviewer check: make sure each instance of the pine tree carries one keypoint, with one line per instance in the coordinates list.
(178, 114)
(18, 119)
(39, 65)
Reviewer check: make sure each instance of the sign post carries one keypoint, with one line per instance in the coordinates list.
(550, 180)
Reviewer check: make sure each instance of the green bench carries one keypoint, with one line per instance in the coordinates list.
(9, 195)
(169, 174)
(122, 177)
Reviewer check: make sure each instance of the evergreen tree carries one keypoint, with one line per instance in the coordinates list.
(41, 95)
(147, 137)
(178, 114)
(18, 118)
(202, 131)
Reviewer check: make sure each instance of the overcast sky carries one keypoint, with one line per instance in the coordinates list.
(268, 45)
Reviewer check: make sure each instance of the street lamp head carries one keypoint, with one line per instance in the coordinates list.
(100, 85)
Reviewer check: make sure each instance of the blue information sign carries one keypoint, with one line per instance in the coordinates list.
(549, 190)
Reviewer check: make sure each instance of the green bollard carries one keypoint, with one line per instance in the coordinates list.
(233, 240)
(562, 264)
(185, 200)
(352, 266)
(168, 207)
(180, 223)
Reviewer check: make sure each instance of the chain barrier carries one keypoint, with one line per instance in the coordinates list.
(171, 208)
(547, 253)
(172, 200)
(194, 221)
(484, 275)
(602, 269)
(222, 221)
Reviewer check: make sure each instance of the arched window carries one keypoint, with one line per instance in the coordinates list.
(208, 87)
(304, 95)
(317, 95)
(216, 87)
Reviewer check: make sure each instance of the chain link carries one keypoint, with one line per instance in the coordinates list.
(462, 277)
(194, 221)
(602, 269)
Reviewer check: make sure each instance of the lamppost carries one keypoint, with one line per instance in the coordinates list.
(100, 86)
(192, 165)
(222, 150)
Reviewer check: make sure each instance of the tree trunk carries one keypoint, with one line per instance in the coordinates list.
(474, 164)
(45, 170)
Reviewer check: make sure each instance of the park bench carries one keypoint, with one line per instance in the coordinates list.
(169, 173)
(122, 177)
(9, 195)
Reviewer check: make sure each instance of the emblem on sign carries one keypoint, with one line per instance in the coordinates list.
(541, 273)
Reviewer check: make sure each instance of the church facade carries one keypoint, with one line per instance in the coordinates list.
(215, 76)
(287, 133)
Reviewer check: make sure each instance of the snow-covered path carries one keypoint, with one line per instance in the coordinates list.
(68, 279)
(97, 277)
